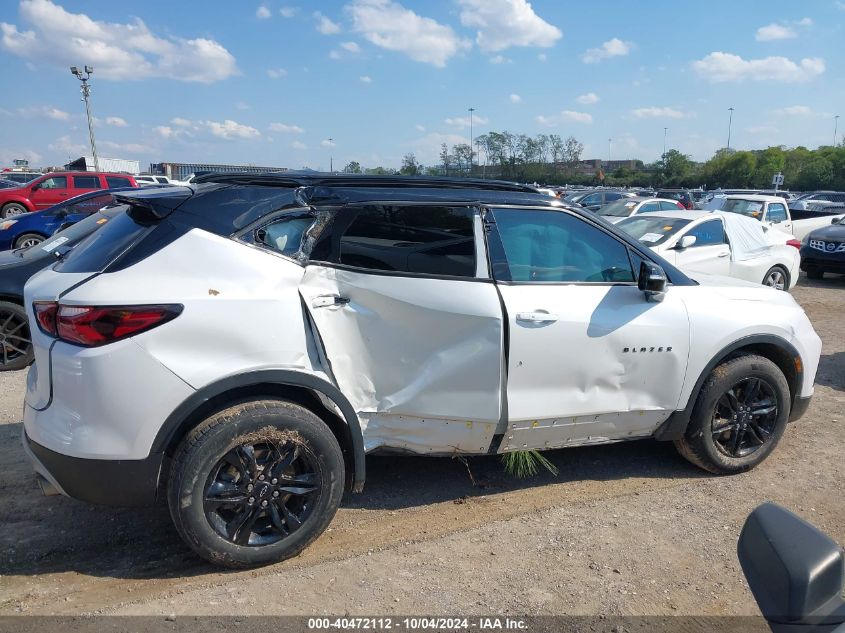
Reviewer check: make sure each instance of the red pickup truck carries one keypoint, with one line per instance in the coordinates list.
(56, 187)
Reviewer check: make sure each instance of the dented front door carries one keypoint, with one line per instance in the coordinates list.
(420, 359)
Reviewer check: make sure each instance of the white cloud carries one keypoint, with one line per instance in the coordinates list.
(542, 57)
(840, 5)
(9, 154)
(284, 128)
(351, 47)
(501, 24)
(588, 99)
(515, 98)
(243, 105)
(611, 48)
(116, 121)
(327, 143)
(565, 116)
(805, 22)
(262, 12)
(464, 121)
(276, 73)
(419, 128)
(366, 79)
(499, 59)
(773, 31)
(64, 145)
(335, 55)
(391, 26)
(120, 51)
(287, 12)
(230, 130)
(180, 122)
(165, 131)
(125, 148)
(657, 112)
(39, 112)
(298, 145)
(720, 67)
(325, 25)
(798, 111)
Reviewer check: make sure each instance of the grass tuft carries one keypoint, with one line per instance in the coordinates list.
(521, 464)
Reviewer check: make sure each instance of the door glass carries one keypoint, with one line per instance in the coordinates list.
(649, 207)
(777, 212)
(424, 239)
(593, 198)
(54, 182)
(285, 233)
(670, 206)
(709, 233)
(86, 182)
(556, 246)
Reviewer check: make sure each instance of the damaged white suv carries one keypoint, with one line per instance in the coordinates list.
(240, 345)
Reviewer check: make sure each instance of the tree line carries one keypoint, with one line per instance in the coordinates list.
(551, 159)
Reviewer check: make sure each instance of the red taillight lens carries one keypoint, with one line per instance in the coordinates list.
(45, 314)
(794, 243)
(95, 325)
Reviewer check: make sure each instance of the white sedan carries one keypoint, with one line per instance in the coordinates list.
(717, 243)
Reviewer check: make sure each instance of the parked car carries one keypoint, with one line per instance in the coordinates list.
(16, 267)
(20, 177)
(773, 212)
(513, 323)
(627, 207)
(5, 184)
(823, 250)
(717, 243)
(145, 180)
(801, 203)
(53, 188)
(681, 195)
(595, 200)
(25, 231)
(794, 570)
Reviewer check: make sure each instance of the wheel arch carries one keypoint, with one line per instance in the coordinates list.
(299, 387)
(778, 350)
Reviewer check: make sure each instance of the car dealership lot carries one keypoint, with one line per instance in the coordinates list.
(625, 529)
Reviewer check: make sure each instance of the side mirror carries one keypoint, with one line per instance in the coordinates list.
(652, 281)
(685, 242)
(838, 220)
(794, 570)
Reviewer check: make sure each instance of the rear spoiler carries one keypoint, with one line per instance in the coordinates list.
(154, 204)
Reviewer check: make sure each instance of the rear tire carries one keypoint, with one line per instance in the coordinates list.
(28, 240)
(815, 273)
(777, 277)
(739, 416)
(256, 483)
(15, 341)
(12, 209)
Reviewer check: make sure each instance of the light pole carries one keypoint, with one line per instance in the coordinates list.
(835, 128)
(609, 151)
(331, 158)
(471, 110)
(86, 93)
(730, 122)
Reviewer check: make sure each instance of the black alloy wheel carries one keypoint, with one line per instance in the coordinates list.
(258, 494)
(745, 417)
(15, 343)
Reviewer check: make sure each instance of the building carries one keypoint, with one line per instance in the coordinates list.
(181, 171)
(117, 165)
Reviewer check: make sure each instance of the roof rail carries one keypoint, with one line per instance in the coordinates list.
(316, 179)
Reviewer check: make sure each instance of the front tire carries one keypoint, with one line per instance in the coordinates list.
(815, 273)
(28, 240)
(256, 483)
(777, 277)
(15, 342)
(12, 209)
(739, 417)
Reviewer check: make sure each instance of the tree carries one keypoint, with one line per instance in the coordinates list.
(571, 153)
(352, 167)
(463, 155)
(444, 157)
(410, 166)
(555, 147)
(677, 166)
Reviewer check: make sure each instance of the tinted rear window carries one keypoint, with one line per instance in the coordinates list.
(117, 181)
(102, 247)
(73, 233)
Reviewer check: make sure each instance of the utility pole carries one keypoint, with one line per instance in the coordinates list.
(665, 130)
(730, 122)
(86, 94)
(471, 110)
(609, 151)
(331, 158)
(835, 128)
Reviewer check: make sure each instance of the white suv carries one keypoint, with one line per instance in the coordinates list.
(241, 345)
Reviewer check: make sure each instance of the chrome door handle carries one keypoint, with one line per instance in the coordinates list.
(536, 317)
(328, 300)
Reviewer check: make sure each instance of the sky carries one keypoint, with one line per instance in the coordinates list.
(270, 83)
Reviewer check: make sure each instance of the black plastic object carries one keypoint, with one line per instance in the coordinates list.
(795, 571)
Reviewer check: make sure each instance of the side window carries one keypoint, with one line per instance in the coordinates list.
(117, 181)
(90, 205)
(593, 198)
(611, 196)
(710, 233)
(284, 234)
(426, 240)
(86, 182)
(670, 206)
(649, 207)
(777, 212)
(556, 246)
(54, 182)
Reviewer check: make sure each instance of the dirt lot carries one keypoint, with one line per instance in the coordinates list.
(623, 529)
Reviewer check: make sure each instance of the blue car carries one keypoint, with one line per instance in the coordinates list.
(29, 229)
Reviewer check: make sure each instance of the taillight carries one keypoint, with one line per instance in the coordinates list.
(794, 243)
(96, 325)
(45, 314)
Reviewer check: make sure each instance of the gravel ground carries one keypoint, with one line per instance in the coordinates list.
(625, 529)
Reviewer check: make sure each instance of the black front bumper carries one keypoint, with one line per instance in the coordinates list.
(127, 482)
(814, 259)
